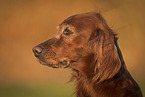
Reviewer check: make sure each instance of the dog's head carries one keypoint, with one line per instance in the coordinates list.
(69, 44)
(80, 38)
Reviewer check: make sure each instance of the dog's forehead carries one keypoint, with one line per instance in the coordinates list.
(80, 21)
(79, 18)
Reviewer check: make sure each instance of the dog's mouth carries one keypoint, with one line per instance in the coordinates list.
(54, 64)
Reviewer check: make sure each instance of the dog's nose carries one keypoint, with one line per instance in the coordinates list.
(37, 50)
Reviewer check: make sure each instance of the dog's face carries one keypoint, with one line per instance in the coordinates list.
(72, 42)
(68, 45)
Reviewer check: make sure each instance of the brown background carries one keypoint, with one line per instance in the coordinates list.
(25, 23)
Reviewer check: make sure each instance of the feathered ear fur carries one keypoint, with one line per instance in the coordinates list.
(107, 59)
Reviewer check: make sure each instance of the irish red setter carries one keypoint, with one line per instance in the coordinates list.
(87, 45)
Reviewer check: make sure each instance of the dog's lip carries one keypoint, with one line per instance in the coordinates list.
(61, 64)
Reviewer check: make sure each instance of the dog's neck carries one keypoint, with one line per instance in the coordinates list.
(85, 86)
(84, 79)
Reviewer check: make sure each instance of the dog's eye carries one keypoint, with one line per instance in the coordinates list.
(67, 32)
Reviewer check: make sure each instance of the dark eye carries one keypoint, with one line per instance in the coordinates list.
(67, 32)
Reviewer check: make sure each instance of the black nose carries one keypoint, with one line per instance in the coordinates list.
(37, 50)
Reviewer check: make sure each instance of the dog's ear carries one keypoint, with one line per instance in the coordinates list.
(106, 56)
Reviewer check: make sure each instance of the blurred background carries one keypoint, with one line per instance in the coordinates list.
(26, 23)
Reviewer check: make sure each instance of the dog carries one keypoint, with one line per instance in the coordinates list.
(87, 45)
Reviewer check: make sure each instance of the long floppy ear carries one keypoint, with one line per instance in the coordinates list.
(107, 60)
